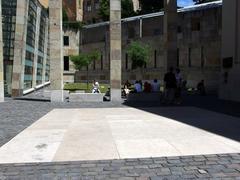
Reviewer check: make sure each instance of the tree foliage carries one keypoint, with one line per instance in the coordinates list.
(84, 59)
(73, 25)
(139, 54)
(64, 15)
(150, 6)
(127, 9)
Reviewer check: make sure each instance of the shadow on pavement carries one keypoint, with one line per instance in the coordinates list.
(215, 116)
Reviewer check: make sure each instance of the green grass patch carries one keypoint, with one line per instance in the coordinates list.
(83, 86)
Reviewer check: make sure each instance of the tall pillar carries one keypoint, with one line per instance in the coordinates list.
(170, 33)
(19, 48)
(115, 49)
(35, 61)
(56, 52)
(230, 74)
(1, 59)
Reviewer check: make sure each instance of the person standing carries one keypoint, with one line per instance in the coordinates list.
(170, 86)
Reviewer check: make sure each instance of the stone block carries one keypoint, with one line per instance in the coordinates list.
(116, 95)
(86, 97)
(57, 96)
(47, 93)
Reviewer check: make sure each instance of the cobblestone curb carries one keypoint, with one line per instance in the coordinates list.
(223, 166)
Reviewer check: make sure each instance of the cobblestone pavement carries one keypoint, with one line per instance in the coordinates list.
(224, 166)
(16, 115)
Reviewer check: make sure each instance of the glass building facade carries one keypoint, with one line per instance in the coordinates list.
(30, 47)
(35, 60)
(8, 25)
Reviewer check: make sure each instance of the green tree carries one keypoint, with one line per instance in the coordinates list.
(127, 9)
(150, 6)
(84, 60)
(64, 15)
(139, 54)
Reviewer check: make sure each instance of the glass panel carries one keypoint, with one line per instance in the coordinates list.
(8, 27)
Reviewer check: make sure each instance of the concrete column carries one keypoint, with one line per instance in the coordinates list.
(56, 50)
(140, 27)
(45, 52)
(115, 49)
(20, 48)
(1, 59)
(230, 74)
(35, 61)
(170, 33)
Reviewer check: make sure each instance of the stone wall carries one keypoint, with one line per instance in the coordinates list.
(71, 49)
(230, 74)
(199, 47)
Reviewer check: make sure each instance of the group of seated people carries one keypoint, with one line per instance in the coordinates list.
(139, 87)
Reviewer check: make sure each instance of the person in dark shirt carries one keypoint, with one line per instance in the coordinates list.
(201, 88)
(170, 86)
(147, 87)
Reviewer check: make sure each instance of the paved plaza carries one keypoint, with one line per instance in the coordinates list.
(42, 140)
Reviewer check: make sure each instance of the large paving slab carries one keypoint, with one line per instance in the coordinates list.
(117, 133)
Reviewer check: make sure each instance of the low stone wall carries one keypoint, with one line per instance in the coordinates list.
(86, 97)
(47, 93)
(144, 97)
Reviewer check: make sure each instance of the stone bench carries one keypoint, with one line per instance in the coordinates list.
(86, 97)
(144, 97)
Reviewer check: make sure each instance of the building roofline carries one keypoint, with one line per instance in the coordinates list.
(198, 7)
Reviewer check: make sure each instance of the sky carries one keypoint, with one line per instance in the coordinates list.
(183, 3)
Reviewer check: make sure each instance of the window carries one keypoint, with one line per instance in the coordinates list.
(126, 58)
(96, 4)
(89, 7)
(94, 64)
(66, 41)
(66, 63)
(101, 62)
(177, 57)
(179, 29)
(189, 58)
(195, 24)
(202, 57)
